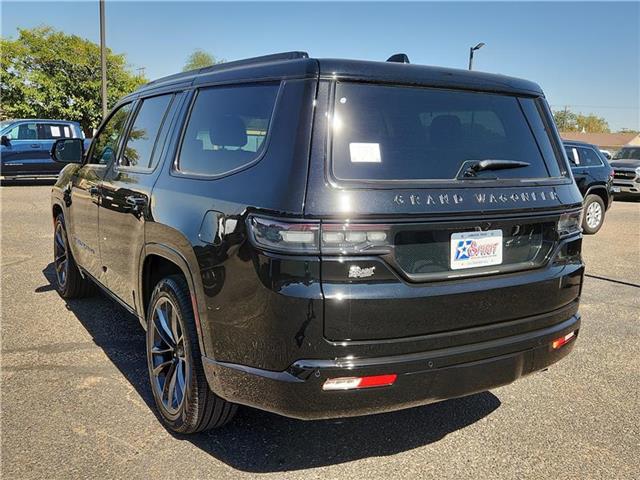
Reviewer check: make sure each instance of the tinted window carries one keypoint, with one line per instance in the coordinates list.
(402, 133)
(589, 158)
(572, 155)
(106, 143)
(227, 128)
(23, 131)
(139, 150)
(627, 153)
(49, 131)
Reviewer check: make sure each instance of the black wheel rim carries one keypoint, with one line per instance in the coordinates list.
(168, 357)
(61, 255)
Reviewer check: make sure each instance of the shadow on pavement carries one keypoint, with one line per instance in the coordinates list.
(262, 442)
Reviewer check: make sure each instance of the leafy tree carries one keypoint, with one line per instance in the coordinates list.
(199, 59)
(592, 124)
(48, 74)
(567, 121)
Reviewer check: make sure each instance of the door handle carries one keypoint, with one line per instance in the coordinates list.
(134, 201)
(35, 145)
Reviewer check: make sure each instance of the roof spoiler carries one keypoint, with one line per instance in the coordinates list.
(399, 58)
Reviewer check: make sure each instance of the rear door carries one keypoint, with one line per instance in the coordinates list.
(414, 242)
(126, 193)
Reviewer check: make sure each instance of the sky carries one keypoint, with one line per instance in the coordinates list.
(585, 55)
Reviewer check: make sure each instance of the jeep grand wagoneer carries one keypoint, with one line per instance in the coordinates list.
(324, 238)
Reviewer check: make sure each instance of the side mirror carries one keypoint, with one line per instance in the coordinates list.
(68, 150)
(4, 140)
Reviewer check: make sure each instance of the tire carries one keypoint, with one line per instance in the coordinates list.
(183, 398)
(69, 281)
(593, 214)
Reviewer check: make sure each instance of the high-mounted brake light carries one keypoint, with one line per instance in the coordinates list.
(556, 344)
(354, 383)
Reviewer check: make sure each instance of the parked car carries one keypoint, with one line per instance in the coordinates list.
(26, 144)
(626, 165)
(324, 238)
(594, 177)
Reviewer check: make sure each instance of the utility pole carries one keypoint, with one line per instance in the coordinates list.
(141, 71)
(103, 61)
(471, 50)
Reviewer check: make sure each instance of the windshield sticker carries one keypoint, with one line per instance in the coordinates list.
(365, 153)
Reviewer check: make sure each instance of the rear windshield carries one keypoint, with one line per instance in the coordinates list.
(409, 133)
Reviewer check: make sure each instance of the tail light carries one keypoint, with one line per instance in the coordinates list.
(570, 223)
(612, 173)
(285, 236)
(312, 237)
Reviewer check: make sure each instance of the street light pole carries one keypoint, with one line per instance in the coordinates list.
(471, 50)
(103, 61)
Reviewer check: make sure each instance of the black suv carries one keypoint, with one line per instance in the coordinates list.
(326, 238)
(594, 177)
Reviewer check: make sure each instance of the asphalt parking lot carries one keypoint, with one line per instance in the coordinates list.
(76, 404)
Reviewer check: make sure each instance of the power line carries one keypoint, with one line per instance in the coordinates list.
(595, 106)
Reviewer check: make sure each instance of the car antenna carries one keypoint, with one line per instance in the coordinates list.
(399, 58)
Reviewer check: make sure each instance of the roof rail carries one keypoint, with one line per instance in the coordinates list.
(275, 57)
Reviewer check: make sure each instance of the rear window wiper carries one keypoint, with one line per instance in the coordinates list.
(475, 166)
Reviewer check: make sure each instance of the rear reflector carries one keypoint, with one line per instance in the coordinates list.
(351, 383)
(562, 340)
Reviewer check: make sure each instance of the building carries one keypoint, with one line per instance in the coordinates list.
(605, 141)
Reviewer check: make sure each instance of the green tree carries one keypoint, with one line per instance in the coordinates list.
(45, 73)
(567, 121)
(199, 59)
(592, 124)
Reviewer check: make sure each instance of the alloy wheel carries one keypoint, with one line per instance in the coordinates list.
(61, 255)
(594, 215)
(169, 365)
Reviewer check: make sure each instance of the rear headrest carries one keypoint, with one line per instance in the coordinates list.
(445, 130)
(229, 131)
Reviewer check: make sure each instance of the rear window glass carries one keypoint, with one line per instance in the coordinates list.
(405, 133)
(49, 131)
(227, 128)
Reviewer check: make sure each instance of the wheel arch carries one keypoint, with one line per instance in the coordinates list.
(600, 191)
(158, 261)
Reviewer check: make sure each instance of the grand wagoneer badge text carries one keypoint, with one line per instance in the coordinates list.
(479, 198)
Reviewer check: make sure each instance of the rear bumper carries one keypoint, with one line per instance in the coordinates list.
(423, 377)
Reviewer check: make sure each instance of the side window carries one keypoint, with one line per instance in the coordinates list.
(572, 155)
(106, 143)
(140, 148)
(589, 158)
(50, 131)
(227, 128)
(23, 131)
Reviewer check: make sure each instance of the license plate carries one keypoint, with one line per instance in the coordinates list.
(616, 189)
(476, 249)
